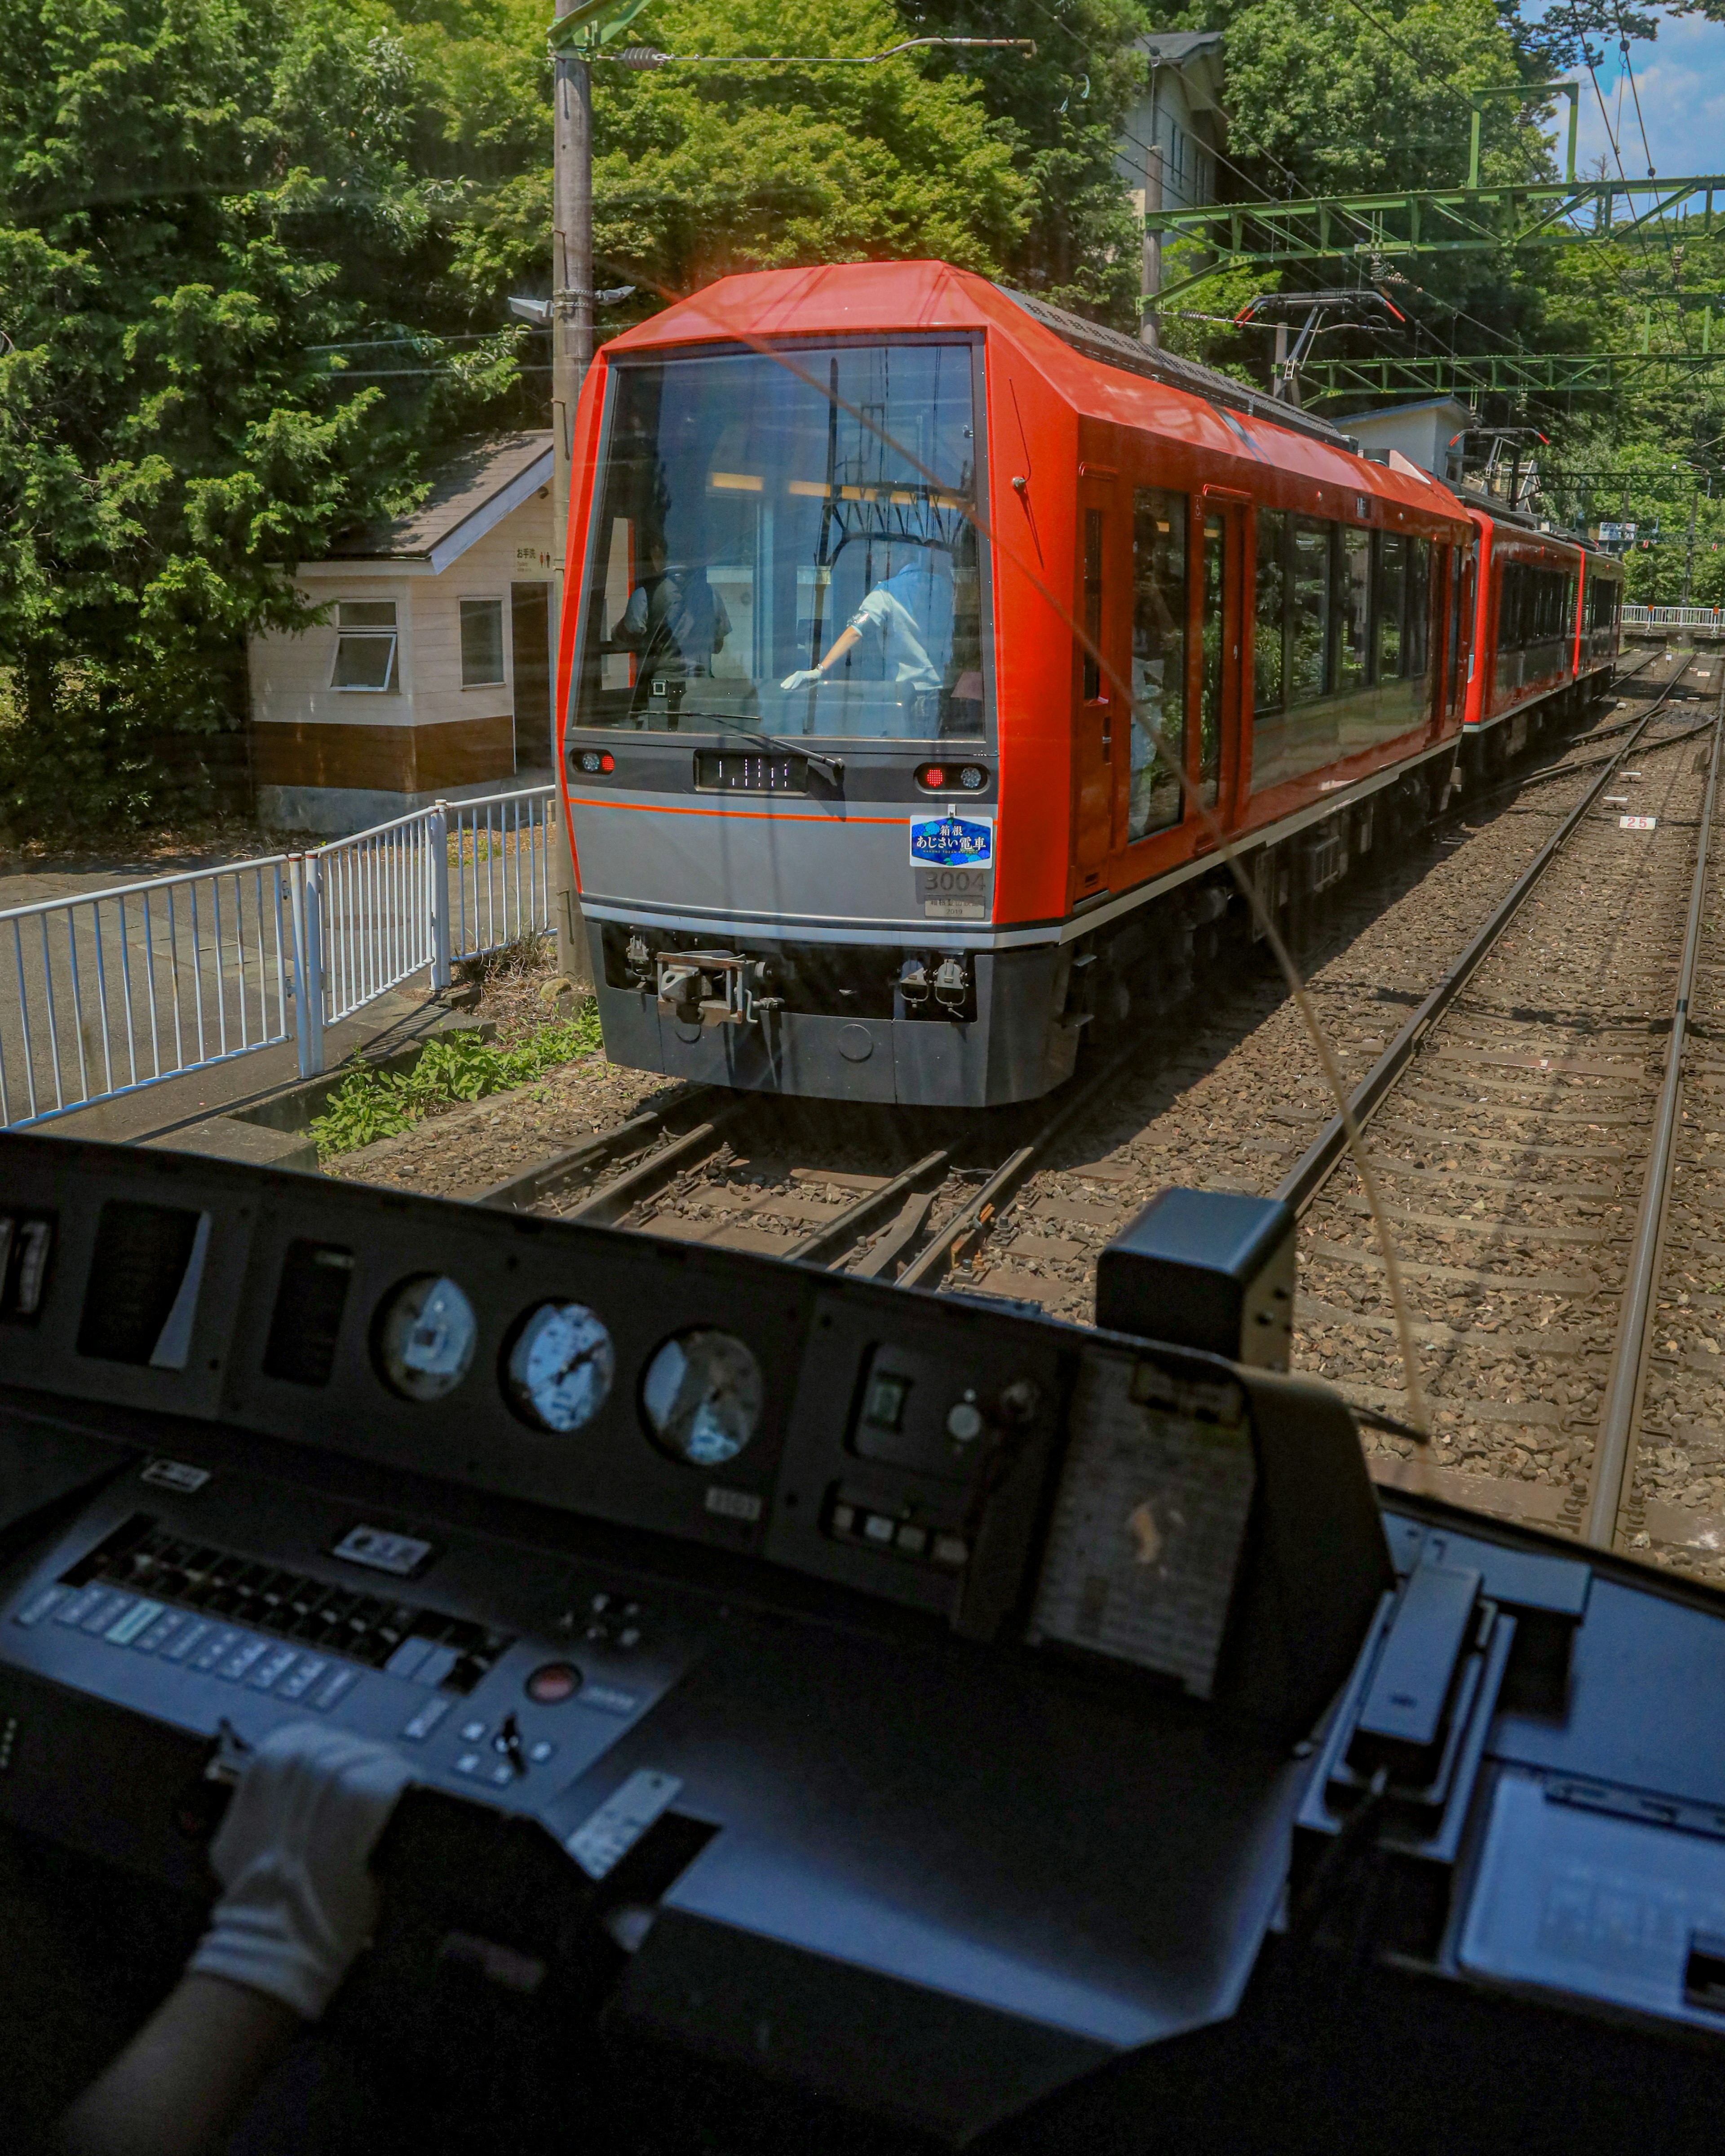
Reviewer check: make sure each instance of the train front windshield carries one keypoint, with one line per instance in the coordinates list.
(788, 545)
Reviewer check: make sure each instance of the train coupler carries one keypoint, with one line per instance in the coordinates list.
(715, 988)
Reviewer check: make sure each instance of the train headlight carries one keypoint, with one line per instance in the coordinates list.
(971, 776)
(594, 761)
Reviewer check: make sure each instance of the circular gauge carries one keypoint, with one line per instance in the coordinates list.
(561, 1366)
(702, 1396)
(426, 1337)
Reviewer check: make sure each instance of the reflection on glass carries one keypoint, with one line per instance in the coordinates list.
(1268, 662)
(426, 1338)
(1392, 602)
(1159, 659)
(1209, 709)
(788, 546)
(1419, 613)
(1309, 611)
(701, 1396)
(561, 1367)
(1353, 606)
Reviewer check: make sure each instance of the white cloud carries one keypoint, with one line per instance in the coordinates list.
(1680, 82)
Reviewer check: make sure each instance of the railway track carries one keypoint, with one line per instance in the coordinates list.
(1528, 1129)
(1015, 1204)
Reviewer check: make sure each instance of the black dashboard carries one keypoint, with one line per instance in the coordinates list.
(913, 1709)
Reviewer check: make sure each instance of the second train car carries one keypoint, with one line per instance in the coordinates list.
(886, 582)
(1545, 613)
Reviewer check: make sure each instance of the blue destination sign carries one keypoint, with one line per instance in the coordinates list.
(946, 842)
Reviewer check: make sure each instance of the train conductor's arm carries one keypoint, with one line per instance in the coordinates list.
(298, 1905)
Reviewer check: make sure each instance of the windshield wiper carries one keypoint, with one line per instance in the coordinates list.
(830, 767)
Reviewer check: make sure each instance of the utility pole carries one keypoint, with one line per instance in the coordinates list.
(572, 322)
(1150, 272)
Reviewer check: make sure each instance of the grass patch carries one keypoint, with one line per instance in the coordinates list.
(370, 1104)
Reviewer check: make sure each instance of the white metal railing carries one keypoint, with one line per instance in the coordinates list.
(1672, 617)
(111, 990)
(106, 991)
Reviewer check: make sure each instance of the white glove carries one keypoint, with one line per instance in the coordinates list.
(805, 678)
(292, 1855)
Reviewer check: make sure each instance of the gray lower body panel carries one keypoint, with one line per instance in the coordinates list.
(1014, 1048)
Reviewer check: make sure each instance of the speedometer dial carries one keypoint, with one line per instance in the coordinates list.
(701, 1396)
(426, 1337)
(559, 1369)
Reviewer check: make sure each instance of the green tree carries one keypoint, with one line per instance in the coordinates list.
(253, 263)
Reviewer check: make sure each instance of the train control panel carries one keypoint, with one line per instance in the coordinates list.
(910, 1719)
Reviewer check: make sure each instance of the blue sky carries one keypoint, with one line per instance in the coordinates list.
(1681, 82)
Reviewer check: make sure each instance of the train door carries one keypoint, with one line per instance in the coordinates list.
(1099, 668)
(1220, 584)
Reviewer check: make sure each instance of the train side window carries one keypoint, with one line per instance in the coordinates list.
(1093, 605)
(1392, 582)
(1210, 715)
(1159, 681)
(1418, 630)
(1271, 608)
(1309, 611)
(1353, 607)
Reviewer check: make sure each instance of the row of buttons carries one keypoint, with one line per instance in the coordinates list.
(361, 1626)
(886, 1533)
(175, 1635)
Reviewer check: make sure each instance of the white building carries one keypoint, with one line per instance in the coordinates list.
(431, 677)
(1170, 139)
(1427, 433)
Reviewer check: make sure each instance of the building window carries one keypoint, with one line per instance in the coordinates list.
(481, 644)
(365, 646)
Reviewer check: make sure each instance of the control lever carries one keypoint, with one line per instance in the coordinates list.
(508, 1741)
(203, 1806)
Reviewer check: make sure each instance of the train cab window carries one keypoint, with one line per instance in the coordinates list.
(787, 547)
(1309, 611)
(1092, 606)
(1353, 606)
(1159, 681)
(1270, 615)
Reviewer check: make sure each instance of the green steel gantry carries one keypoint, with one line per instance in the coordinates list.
(1513, 373)
(1474, 219)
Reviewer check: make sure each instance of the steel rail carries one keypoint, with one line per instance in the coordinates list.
(825, 1243)
(549, 1177)
(972, 1225)
(1309, 1175)
(608, 1204)
(1614, 1449)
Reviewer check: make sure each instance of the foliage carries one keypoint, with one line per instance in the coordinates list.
(194, 198)
(1064, 109)
(253, 265)
(455, 1067)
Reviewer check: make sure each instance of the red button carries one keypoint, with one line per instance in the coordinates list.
(553, 1682)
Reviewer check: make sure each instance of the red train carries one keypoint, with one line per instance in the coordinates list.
(886, 584)
(1545, 630)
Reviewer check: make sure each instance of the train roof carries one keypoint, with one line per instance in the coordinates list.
(1112, 348)
(1089, 364)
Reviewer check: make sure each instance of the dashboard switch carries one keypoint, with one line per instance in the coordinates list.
(553, 1682)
